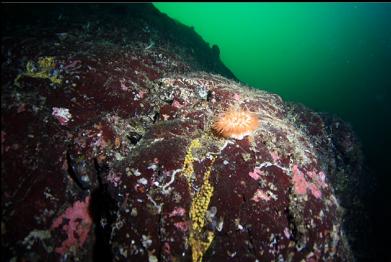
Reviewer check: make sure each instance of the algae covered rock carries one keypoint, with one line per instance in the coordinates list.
(109, 151)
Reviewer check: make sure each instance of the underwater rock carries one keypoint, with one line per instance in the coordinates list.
(137, 172)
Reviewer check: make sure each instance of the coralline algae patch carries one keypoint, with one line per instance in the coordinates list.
(76, 222)
(301, 185)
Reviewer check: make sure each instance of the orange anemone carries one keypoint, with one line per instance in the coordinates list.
(236, 123)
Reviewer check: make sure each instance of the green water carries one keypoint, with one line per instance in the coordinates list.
(304, 52)
(332, 57)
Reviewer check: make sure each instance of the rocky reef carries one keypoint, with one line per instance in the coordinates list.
(108, 149)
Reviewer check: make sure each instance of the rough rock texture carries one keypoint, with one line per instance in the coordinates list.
(107, 149)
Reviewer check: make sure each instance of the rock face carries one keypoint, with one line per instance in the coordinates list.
(108, 149)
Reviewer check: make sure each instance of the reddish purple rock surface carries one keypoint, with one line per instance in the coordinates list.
(108, 151)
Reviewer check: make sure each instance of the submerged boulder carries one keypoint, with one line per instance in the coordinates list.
(109, 152)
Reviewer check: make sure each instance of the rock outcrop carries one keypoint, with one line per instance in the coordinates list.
(108, 151)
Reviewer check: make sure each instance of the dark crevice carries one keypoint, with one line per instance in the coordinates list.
(134, 137)
(291, 224)
(103, 209)
(169, 100)
(156, 117)
(160, 235)
(297, 236)
(251, 247)
(210, 96)
(78, 170)
(291, 219)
